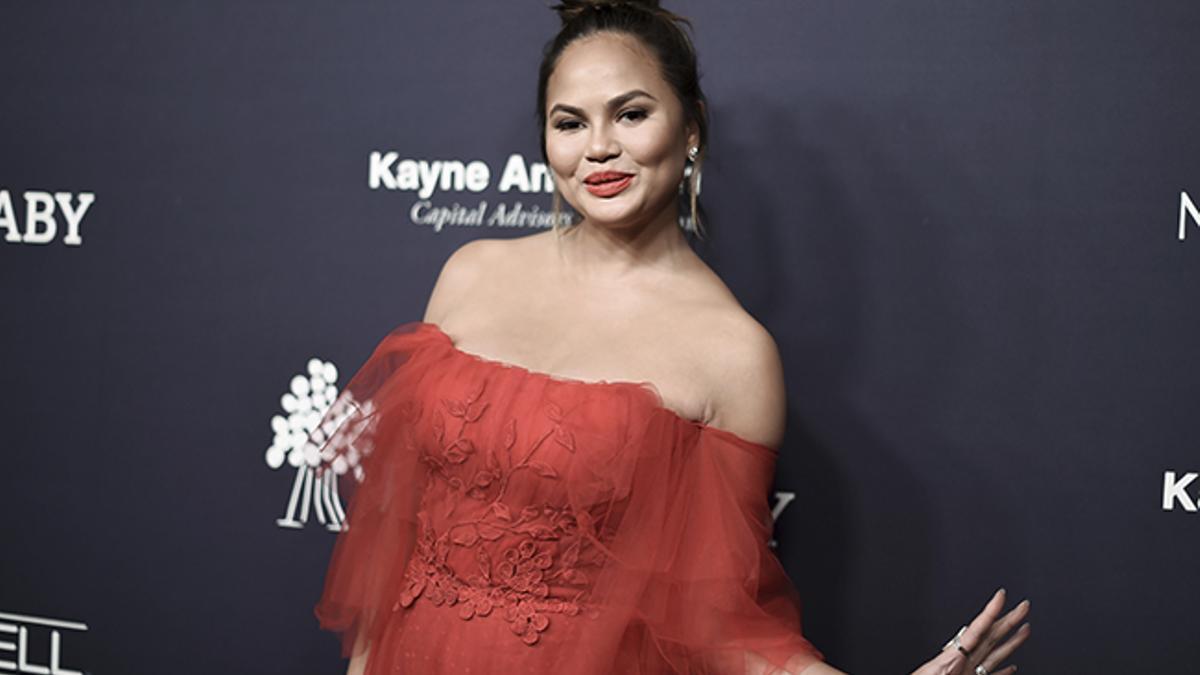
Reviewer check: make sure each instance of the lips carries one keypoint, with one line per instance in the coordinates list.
(607, 183)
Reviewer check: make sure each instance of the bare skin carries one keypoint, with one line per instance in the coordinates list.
(521, 302)
(622, 297)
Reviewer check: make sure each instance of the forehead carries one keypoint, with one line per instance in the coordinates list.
(602, 65)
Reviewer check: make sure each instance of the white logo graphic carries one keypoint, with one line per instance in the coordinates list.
(308, 399)
(782, 499)
(425, 178)
(21, 626)
(1187, 209)
(1174, 491)
(40, 225)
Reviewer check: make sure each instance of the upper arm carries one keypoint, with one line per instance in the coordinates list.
(749, 397)
(459, 274)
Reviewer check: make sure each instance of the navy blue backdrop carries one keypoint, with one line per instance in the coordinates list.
(971, 227)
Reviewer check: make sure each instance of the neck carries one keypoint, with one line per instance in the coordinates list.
(591, 252)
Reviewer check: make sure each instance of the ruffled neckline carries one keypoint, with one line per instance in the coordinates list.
(646, 387)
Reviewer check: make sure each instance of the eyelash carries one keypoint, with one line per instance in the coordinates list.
(638, 112)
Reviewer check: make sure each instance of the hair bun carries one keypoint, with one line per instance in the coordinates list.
(571, 9)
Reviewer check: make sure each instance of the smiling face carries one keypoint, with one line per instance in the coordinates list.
(616, 134)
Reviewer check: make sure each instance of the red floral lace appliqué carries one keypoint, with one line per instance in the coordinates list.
(521, 551)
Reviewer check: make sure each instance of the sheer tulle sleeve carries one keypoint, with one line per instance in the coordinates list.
(690, 566)
(367, 440)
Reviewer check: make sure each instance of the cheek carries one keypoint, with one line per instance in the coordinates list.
(654, 147)
(563, 155)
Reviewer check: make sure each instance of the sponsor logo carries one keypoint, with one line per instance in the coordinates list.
(41, 214)
(782, 499)
(427, 180)
(19, 627)
(309, 397)
(1175, 491)
(1187, 209)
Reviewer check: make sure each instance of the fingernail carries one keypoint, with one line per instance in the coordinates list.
(1001, 591)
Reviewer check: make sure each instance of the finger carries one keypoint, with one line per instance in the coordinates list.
(983, 622)
(1000, 654)
(1008, 670)
(1002, 627)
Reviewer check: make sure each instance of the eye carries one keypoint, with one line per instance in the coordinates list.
(633, 114)
(566, 124)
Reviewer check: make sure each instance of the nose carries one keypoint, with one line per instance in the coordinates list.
(602, 146)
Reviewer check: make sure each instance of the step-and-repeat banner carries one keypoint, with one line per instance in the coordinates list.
(973, 228)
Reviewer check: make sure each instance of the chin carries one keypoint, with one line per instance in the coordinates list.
(611, 218)
(616, 212)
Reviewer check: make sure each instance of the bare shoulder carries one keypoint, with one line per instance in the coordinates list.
(746, 377)
(463, 270)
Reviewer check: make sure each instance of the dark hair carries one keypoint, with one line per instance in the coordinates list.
(663, 33)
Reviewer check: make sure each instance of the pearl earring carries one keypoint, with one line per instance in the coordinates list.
(693, 153)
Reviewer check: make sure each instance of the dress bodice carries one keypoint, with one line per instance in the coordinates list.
(589, 521)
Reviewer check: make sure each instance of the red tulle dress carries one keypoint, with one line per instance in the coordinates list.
(502, 520)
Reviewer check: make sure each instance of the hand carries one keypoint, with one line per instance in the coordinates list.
(980, 640)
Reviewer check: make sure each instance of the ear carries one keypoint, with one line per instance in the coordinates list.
(693, 128)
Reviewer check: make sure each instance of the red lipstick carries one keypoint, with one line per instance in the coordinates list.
(607, 183)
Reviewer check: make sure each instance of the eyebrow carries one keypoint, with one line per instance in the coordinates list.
(614, 102)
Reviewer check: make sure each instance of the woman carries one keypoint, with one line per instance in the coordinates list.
(565, 463)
